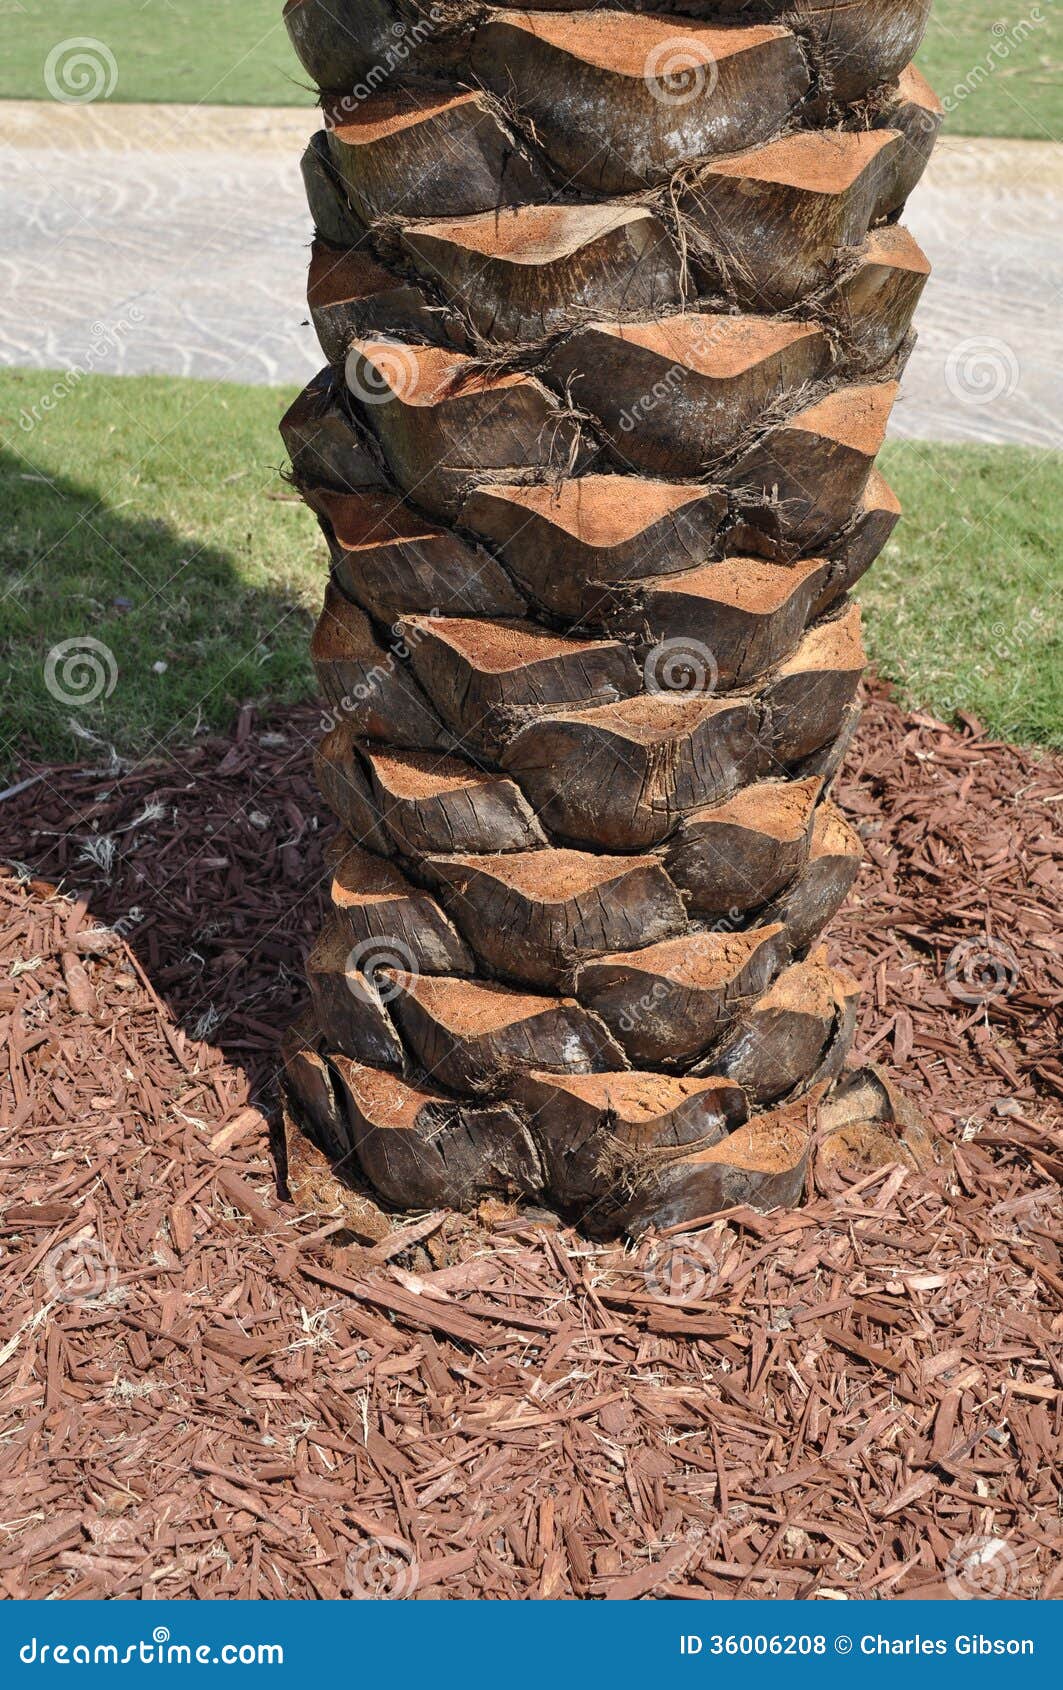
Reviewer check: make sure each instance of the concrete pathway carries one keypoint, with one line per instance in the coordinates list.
(989, 361)
(155, 240)
(172, 239)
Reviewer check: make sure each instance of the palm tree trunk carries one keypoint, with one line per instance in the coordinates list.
(615, 304)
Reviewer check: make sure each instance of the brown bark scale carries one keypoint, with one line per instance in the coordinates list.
(615, 302)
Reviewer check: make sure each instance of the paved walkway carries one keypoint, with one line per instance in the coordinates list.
(155, 240)
(172, 239)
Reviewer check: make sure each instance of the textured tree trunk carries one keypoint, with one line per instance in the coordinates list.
(614, 303)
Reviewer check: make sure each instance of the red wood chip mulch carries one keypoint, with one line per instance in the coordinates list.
(200, 1397)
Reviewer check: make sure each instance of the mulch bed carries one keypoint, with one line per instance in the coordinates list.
(201, 1397)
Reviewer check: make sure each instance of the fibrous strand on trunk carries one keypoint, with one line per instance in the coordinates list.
(614, 301)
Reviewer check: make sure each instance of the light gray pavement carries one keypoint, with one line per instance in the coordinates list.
(173, 240)
(150, 240)
(989, 360)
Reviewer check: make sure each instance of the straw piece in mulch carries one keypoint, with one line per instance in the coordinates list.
(206, 1393)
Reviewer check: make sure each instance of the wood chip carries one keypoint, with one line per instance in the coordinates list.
(861, 1383)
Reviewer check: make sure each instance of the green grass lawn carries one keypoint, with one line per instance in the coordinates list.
(147, 514)
(226, 52)
(236, 52)
(997, 68)
(963, 608)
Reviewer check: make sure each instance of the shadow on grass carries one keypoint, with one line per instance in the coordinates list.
(119, 631)
(200, 840)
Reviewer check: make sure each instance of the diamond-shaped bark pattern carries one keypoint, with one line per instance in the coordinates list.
(614, 307)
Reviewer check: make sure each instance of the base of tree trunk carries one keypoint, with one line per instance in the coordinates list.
(611, 1152)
